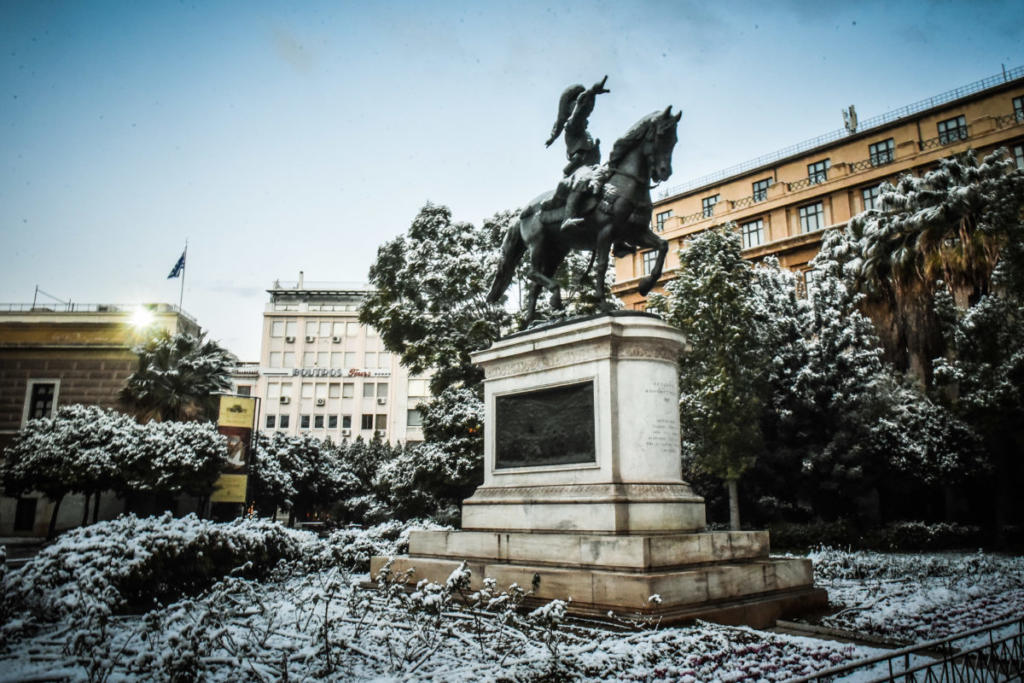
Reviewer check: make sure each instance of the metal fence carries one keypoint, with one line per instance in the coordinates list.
(991, 653)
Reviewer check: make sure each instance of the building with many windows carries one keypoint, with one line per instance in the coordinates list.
(782, 202)
(59, 354)
(324, 373)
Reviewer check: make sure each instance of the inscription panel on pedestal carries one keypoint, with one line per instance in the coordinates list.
(545, 427)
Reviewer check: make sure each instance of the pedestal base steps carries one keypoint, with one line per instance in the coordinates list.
(725, 577)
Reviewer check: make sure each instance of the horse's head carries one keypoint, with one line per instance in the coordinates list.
(661, 141)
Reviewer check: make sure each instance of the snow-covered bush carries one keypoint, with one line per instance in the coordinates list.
(131, 564)
(353, 547)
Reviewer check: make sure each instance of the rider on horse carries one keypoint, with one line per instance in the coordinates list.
(574, 109)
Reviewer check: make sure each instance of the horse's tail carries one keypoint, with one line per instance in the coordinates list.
(512, 249)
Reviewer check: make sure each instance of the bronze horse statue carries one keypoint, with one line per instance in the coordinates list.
(616, 212)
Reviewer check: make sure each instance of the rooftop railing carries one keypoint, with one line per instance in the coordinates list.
(92, 308)
(864, 124)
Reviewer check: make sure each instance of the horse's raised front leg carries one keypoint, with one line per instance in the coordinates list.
(649, 240)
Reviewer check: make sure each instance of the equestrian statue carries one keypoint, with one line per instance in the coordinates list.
(596, 208)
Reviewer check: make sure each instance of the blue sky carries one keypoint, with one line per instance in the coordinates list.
(279, 137)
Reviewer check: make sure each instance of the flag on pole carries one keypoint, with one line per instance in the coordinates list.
(178, 267)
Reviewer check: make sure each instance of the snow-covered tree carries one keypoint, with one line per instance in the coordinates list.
(948, 229)
(982, 380)
(176, 457)
(429, 302)
(178, 377)
(723, 369)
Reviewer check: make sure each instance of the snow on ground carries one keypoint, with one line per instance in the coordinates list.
(919, 597)
(322, 625)
(310, 618)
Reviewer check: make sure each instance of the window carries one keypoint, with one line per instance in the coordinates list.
(334, 390)
(350, 359)
(383, 359)
(414, 418)
(659, 220)
(707, 206)
(318, 422)
(322, 359)
(753, 233)
(310, 328)
(810, 277)
(382, 389)
(277, 328)
(283, 422)
(649, 259)
(352, 329)
(370, 331)
(321, 390)
(761, 189)
(952, 130)
(271, 420)
(1018, 108)
(303, 421)
(417, 387)
(370, 359)
(348, 390)
(273, 391)
(41, 399)
(346, 422)
(325, 328)
(882, 152)
(339, 329)
(336, 360)
(244, 390)
(306, 390)
(286, 389)
(368, 390)
(275, 359)
(812, 217)
(308, 359)
(870, 196)
(291, 328)
(381, 423)
(366, 422)
(1018, 155)
(818, 171)
(288, 360)
(332, 421)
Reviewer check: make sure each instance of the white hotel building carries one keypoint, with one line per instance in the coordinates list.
(322, 372)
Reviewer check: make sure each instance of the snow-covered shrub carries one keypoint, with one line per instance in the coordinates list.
(132, 563)
(352, 548)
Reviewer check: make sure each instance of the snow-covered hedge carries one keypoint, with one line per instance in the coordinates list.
(133, 564)
(352, 548)
(898, 536)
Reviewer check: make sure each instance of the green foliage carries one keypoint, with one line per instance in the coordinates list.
(178, 377)
(722, 371)
(429, 295)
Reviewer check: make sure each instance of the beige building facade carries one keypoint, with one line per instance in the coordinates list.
(783, 202)
(324, 373)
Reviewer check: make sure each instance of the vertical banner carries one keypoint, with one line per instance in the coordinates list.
(235, 421)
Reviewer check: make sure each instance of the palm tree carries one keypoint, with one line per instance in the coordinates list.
(946, 229)
(178, 377)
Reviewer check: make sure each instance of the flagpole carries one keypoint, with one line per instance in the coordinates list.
(184, 263)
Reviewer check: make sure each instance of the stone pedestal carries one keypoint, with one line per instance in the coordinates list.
(583, 487)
